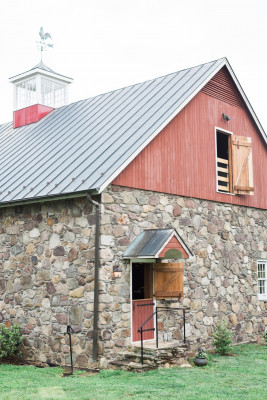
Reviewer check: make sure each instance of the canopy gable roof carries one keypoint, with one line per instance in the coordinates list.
(158, 243)
(83, 146)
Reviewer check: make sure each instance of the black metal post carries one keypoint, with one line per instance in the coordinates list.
(184, 322)
(157, 334)
(69, 331)
(142, 350)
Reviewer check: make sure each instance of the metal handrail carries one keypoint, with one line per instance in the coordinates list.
(149, 318)
(141, 330)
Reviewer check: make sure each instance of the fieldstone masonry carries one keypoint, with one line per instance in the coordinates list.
(47, 271)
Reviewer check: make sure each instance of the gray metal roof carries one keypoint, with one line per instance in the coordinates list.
(150, 242)
(85, 145)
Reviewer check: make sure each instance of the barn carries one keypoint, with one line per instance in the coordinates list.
(138, 217)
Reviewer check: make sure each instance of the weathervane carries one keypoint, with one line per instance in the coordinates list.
(42, 45)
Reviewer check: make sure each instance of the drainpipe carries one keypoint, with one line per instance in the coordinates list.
(97, 266)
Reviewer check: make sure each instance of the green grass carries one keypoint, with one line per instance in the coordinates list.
(242, 377)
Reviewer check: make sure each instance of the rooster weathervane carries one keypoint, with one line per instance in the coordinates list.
(42, 44)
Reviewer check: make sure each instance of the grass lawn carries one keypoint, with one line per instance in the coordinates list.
(242, 377)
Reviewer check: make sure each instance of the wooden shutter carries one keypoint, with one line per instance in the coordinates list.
(242, 165)
(169, 280)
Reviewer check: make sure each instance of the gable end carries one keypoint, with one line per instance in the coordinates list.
(222, 88)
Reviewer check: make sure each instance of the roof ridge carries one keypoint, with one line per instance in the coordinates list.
(143, 82)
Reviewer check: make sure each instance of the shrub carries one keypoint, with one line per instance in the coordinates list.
(265, 337)
(222, 339)
(10, 340)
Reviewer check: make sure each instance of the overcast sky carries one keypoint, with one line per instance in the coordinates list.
(108, 44)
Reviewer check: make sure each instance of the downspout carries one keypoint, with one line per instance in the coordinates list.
(97, 266)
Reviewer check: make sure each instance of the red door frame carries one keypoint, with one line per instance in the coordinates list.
(145, 311)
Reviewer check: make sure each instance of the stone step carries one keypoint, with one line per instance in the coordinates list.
(171, 352)
(131, 355)
(126, 365)
(136, 358)
(151, 345)
(167, 354)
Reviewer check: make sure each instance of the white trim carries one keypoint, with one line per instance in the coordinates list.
(140, 261)
(180, 240)
(152, 258)
(217, 128)
(228, 194)
(243, 95)
(227, 133)
(262, 297)
(144, 259)
(32, 72)
(165, 244)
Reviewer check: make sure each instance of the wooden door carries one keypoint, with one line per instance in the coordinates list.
(142, 300)
(242, 165)
(168, 280)
(141, 310)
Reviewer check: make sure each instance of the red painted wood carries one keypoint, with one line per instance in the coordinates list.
(139, 316)
(181, 160)
(173, 244)
(30, 114)
(222, 87)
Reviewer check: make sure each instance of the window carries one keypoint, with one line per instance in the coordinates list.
(168, 278)
(26, 93)
(52, 93)
(234, 164)
(262, 280)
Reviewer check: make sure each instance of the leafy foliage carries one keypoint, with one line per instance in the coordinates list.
(10, 340)
(265, 337)
(201, 353)
(222, 339)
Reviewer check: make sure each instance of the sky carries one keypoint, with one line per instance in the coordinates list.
(108, 44)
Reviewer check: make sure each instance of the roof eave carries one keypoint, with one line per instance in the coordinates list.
(244, 97)
(27, 74)
(35, 200)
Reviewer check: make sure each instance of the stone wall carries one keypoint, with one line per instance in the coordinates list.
(47, 271)
(46, 277)
(220, 281)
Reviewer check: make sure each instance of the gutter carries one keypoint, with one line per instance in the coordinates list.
(97, 266)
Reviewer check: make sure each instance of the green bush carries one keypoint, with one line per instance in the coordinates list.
(222, 339)
(10, 340)
(265, 337)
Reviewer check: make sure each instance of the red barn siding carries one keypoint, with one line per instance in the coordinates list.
(182, 158)
(173, 244)
(30, 114)
(222, 87)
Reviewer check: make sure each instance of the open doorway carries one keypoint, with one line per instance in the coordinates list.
(142, 281)
(223, 161)
(142, 300)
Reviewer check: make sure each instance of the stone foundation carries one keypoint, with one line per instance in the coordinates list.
(220, 281)
(47, 271)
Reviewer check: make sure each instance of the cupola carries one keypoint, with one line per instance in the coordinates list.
(36, 93)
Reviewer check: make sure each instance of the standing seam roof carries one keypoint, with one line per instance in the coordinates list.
(82, 146)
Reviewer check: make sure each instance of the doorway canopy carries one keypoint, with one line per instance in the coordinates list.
(158, 243)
